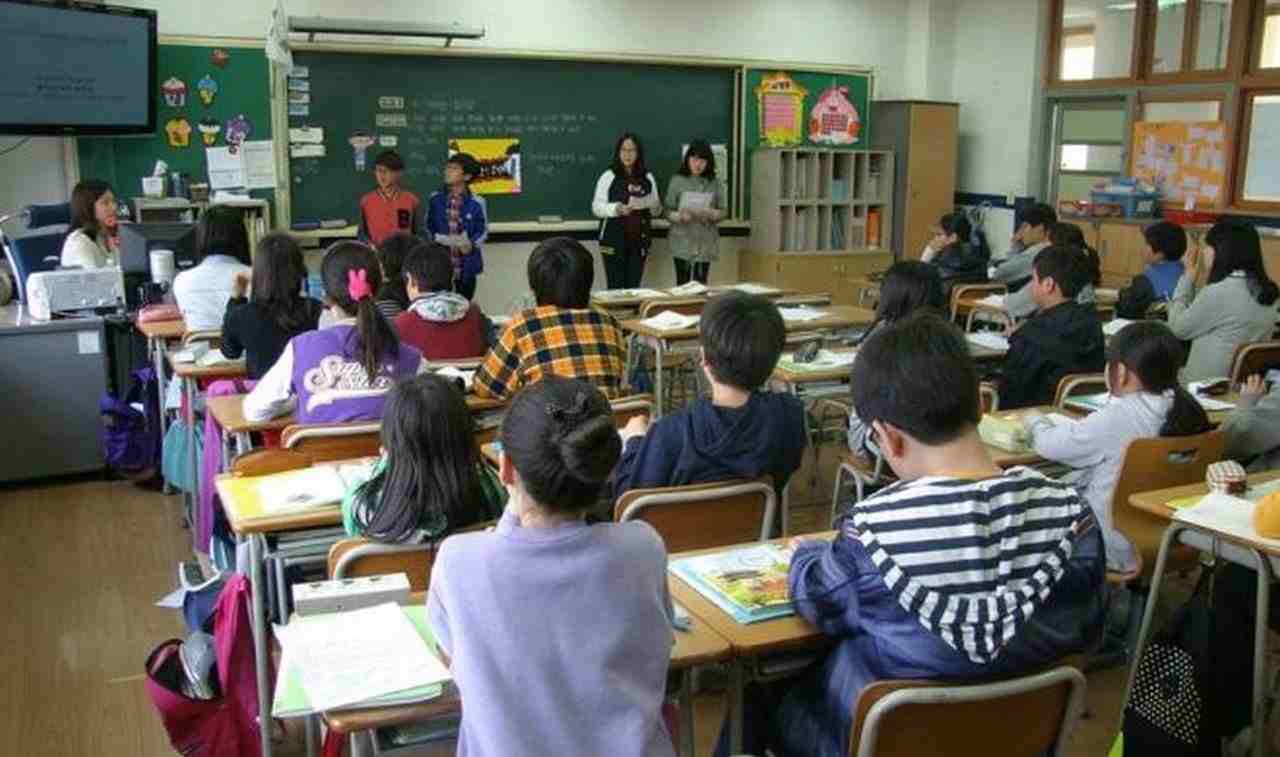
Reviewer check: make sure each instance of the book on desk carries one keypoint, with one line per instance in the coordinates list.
(748, 583)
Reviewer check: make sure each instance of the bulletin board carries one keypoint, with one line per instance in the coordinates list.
(1183, 159)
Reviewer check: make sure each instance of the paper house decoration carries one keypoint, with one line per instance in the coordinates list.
(174, 91)
(780, 101)
(834, 120)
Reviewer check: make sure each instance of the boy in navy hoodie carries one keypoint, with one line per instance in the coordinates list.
(740, 432)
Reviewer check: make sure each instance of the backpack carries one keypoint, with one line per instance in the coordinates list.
(131, 437)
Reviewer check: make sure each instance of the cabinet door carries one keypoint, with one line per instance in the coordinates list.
(931, 173)
(1119, 245)
(807, 273)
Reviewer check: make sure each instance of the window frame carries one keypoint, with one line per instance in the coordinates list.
(1240, 163)
(1254, 74)
(1057, 34)
(1057, 109)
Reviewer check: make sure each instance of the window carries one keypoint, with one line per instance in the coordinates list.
(1262, 149)
(1097, 40)
(1213, 34)
(1269, 55)
(1089, 145)
(1182, 110)
(1171, 27)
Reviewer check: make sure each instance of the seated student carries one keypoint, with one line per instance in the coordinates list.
(908, 286)
(1021, 305)
(953, 253)
(343, 372)
(430, 480)
(1031, 236)
(1253, 427)
(1165, 243)
(392, 299)
(1062, 337)
(276, 311)
(1146, 401)
(442, 324)
(741, 431)
(1022, 547)
(1238, 304)
(563, 335)
(558, 633)
(222, 249)
(389, 208)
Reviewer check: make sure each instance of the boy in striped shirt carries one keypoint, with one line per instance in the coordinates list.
(961, 571)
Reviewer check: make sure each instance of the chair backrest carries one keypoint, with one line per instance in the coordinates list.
(1254, 357)
(961, 292)
(212, 336)
(626, 408)
(268, 460)
(1159, 463)
(357, 556)
(683, 306)
(33, 254)
(1029, 716)
(701, 516)
(1074, 384)
(334, 441)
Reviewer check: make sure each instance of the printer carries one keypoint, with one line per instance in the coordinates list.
(50, 292)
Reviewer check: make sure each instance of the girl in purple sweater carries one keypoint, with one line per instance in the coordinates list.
(558, 633)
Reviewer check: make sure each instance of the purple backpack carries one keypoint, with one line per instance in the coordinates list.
(131, 437)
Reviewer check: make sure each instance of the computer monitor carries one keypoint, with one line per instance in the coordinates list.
(137, 240)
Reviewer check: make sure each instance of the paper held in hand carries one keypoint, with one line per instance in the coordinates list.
(695, 201)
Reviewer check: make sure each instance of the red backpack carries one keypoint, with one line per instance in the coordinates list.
(227, 725)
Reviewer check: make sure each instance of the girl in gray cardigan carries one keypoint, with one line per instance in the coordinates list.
(694, 208)
(1236, 306)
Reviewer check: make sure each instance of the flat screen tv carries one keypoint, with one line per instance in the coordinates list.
(74, 68)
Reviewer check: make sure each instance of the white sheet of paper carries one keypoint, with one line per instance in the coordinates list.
(306, 151)
(259, 163)
(301, 489)
(695, 200)
(348, 657)
(669, 320)
(802, 313)
(994, 300)
(627, 294)
(689, 289)
(306, 134)
(751, 288)
(989, 339)
(226, 171)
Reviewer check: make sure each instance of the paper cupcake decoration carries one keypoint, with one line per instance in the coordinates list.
(207, 89)
(780, 101)
(237, 130)
(209, 131)
(834, 120)
(174, 91)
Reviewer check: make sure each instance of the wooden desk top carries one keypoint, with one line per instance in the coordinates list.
(785, 375)
(634, 302)
(229, 369)
(837, 317)
(162, 329)
(748, 639)
(1156, 502)
(243, 506)
(228, 411)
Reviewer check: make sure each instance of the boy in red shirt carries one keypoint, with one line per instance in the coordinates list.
(442, 324)
(389, 209)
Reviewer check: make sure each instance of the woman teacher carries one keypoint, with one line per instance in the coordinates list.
(626, 199)
(92, 241)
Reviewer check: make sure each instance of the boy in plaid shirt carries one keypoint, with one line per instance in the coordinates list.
(563, 335)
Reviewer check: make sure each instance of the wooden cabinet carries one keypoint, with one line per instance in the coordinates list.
(1120, 247)
(924, 137)
(843, 275)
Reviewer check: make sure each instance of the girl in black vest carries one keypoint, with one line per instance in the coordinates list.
(625, 200)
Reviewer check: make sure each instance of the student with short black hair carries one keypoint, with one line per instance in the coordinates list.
(459, 219)
(558, 633)
(392, 298)
(389, 208)
(954, 254)
(1062, 337)
(1032, 235)
(1021, 304)
(342, 372)
(222, 252)
(1164, 244)
(275, 310)
(441, 323)
(956, 532)
(563, 335)
(741, 431)
(1237, 305)
(1145, 400)
(430, 480)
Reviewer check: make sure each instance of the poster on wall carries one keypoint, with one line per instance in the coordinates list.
(797, 108)
(1185, 161)
(499, 161)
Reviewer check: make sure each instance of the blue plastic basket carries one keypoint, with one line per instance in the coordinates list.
(1136, 205)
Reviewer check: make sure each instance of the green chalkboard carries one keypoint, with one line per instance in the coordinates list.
(242, 89)
(566, 115)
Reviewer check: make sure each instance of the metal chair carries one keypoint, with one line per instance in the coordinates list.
(1074, 384)
(1254, 358)
(964, 295)
(701, 516)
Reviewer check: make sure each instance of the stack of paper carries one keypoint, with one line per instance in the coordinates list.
(1006, 433)
(751, 288)
(989, 339)
(373, 657)
(628, 294)
(669, 320)
(689, 289)
(1115, 326)
(802, 313)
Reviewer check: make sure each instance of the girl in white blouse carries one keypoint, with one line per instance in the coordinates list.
(625, 201)
(1146, 401)
(92, 241)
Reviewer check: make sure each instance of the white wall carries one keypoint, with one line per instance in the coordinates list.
(32, 173)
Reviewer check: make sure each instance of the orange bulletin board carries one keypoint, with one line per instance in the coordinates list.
(1183, 159)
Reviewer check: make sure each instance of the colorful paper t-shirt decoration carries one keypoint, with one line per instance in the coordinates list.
(178, 130)
(834, 120)
(207, 88)
(780, 101)
(209, 130)
(360, 143)
(237, 130)
(174, 91)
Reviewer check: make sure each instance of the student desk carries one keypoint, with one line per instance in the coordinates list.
(1260, 555)
(159, 334)
(189, 374)
(793, 381)
(630, 301)
(1216, 417)
(662, 340)
(748, 641)
(700, 645)
(1006, 459)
